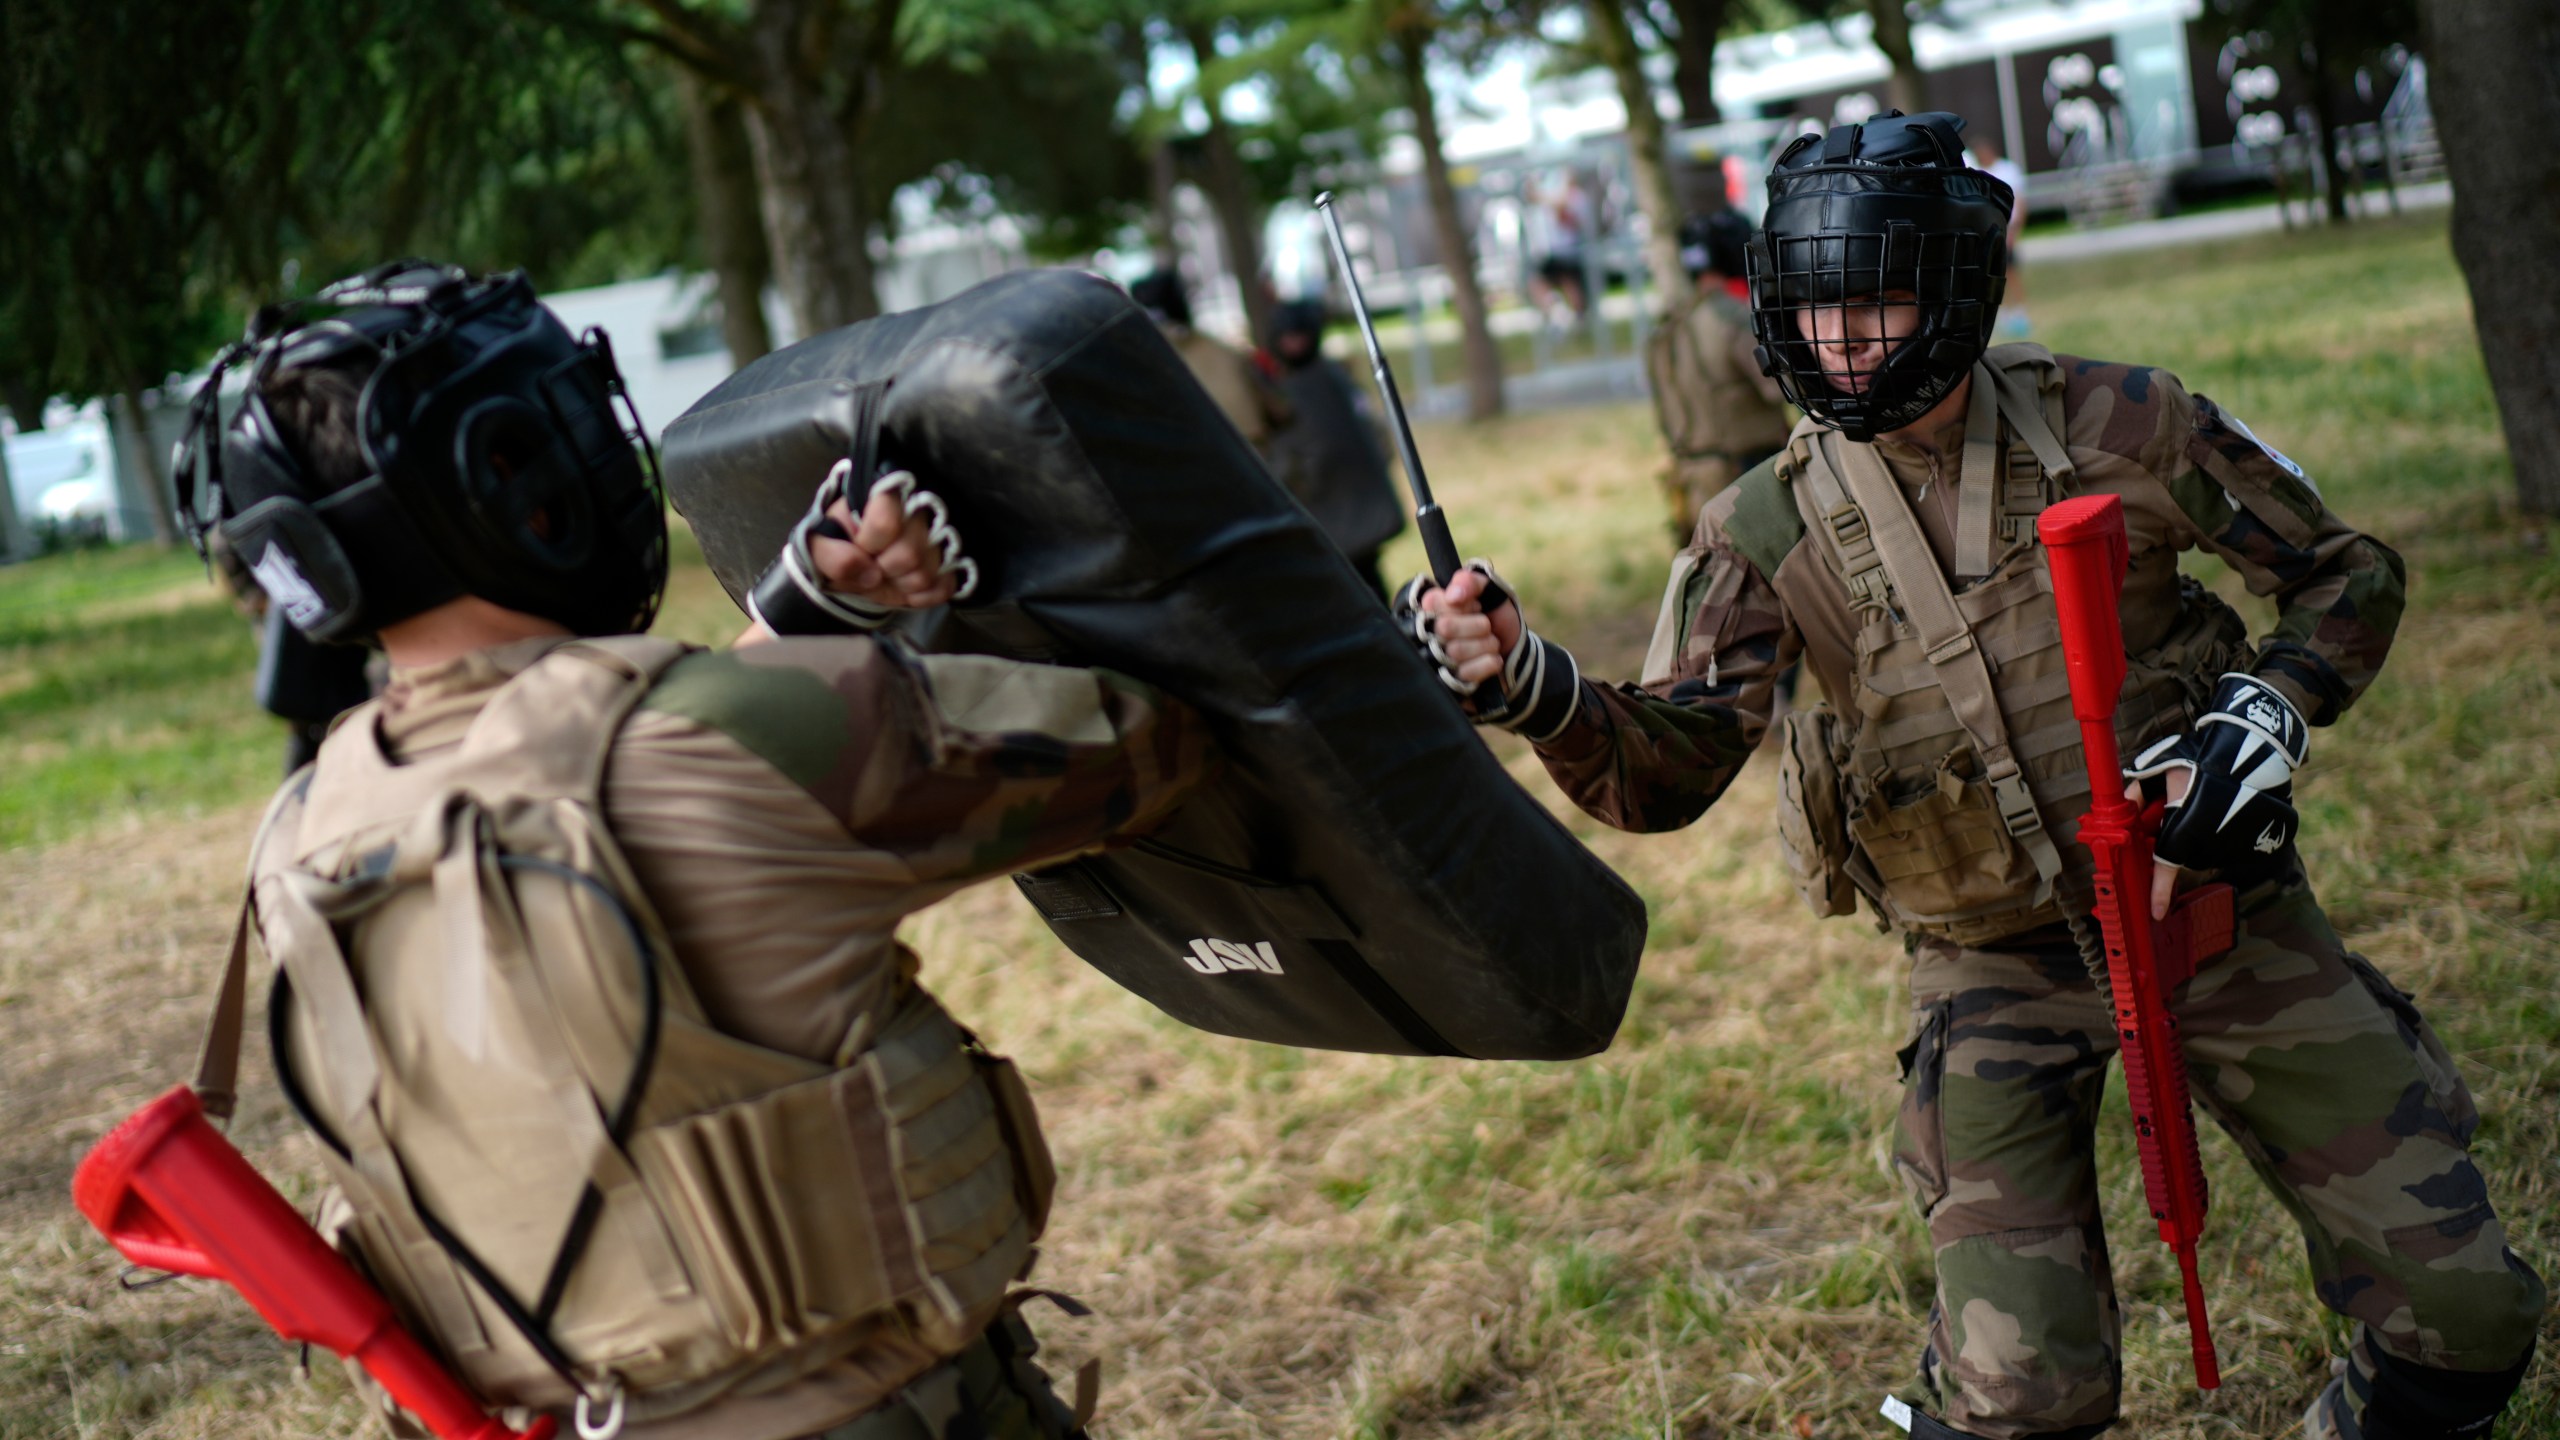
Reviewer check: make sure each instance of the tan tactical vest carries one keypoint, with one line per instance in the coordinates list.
(562, 1175)
(1707, 405)
(1948, 784)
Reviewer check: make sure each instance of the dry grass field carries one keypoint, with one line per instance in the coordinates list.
(1691, 1236)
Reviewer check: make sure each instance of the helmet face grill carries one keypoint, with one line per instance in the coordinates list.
(1870, 330)
(1878, 273)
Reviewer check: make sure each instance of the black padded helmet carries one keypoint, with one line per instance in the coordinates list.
(496, 463)
(1888, 205)
(1164, 295)
(1717, 240)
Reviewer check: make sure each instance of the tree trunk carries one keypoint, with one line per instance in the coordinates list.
(1164, 174)
(1163, 169)
(15, 543)
(1645, 150)
(2324, 109)
(814, 220)
(1908, 89)
(146, 465)
(24, 402)
(1457, 250)
(2497, 110)
(724, 192)
(1231, 195)
(1693, 57)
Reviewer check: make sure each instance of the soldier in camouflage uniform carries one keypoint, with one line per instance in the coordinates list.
(1720, 415)
(1908, 476)
(782, 805)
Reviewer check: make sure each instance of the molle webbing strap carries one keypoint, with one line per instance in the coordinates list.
(218, 1055)
(1948, 640)
(217, 1083)
(1978, 490)
(1846, 527)
(2023, 403)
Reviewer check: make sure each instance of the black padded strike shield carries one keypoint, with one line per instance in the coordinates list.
(1361, 875)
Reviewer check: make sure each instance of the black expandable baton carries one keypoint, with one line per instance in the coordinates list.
(1437, 545)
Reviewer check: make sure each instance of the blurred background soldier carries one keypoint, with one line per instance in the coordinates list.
(1333, 457)
(2013, 303)
(1244, 390)
(808, 1189)
(1719, 414)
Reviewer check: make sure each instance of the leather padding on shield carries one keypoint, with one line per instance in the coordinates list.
(1363, 875)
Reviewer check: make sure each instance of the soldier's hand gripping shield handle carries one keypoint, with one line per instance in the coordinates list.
(2084, 540)
(171, 1193)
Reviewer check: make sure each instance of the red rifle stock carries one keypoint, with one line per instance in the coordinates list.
(2084, 541)
(171, 1193)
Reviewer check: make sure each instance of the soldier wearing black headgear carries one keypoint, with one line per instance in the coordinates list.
(588, 970)
(1246, 391)
(1891, 545)
(1719, 414)
(1332, 457)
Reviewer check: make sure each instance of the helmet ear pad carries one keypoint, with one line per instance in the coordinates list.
(305, 572)
(508, 457)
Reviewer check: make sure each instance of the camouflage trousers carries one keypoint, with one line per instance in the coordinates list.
(2325, 1074)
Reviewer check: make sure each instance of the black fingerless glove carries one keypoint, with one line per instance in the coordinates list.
(1539, 684)
(791, 598)
(2238, 813)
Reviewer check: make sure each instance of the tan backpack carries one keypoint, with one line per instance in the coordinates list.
(562, 1174)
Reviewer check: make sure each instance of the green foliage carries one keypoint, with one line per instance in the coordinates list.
(1020, 122)
(177, 165)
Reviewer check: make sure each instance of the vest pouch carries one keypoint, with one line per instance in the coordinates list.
(1945, 858)
(1035, 1173)
(777, 1261)
(1811, 834)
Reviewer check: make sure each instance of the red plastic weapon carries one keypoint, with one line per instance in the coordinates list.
(2084, 541)
(171, 1193)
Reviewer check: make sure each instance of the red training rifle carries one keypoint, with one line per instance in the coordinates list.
(2084, 542)
(171, 1193)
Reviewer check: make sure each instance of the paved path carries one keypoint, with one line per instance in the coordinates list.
(2212, 225)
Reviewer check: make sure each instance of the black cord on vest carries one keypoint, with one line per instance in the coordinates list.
(534, 1324)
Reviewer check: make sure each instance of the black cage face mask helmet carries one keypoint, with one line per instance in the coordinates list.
(496, 462)
(1877, 230)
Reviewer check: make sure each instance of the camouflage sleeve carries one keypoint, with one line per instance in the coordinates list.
(959, 766)
(2339, 592)
(1655, 755)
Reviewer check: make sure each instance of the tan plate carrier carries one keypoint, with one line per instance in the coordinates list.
(1947, 787)
(565, 1178)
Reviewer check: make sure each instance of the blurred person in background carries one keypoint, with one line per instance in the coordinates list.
(1720, 415)
(1560, 221)
(1245, 389)
(1333, 458)
(2013, 306)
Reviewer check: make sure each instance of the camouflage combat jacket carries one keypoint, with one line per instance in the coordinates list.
(1753, 597)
